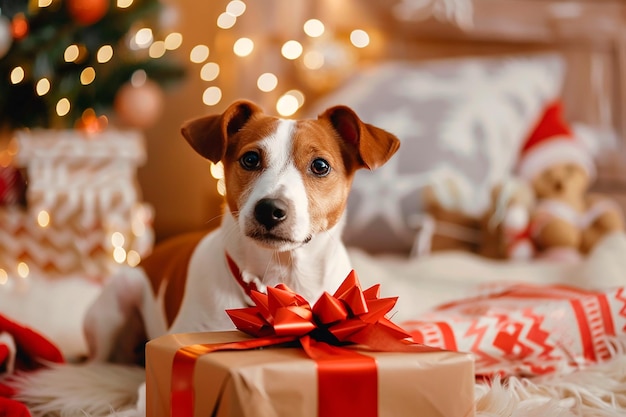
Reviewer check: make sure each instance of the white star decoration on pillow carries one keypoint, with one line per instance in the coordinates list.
(399, 121)
(381, 193)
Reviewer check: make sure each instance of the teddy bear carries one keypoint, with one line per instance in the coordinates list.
(500, 232)
(567, 221)
(505, 224)
(444, 226)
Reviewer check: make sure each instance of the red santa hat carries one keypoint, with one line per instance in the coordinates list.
(552, 142)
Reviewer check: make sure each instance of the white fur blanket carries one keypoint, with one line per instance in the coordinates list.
(596, 392)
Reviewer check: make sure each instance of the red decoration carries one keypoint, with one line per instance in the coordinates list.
(87, 12)
(23, 349)
(34, 349)
(351, 315)
(13, 408)
(11, 185)
(282, 316)
(91, 123)
(139, 106)
(19, 26)
(552, 141)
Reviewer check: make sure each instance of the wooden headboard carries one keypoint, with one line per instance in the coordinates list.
(590, 34)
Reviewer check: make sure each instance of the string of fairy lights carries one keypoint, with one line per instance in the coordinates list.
(288, 103)
(292, 49)
(143, 38)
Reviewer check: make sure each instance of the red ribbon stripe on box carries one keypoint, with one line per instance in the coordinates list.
(350, 316)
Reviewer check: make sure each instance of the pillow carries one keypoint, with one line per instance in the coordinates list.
(460, 121)
(53, 307)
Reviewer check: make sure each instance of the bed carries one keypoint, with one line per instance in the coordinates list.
(461, 90)
(487, 67)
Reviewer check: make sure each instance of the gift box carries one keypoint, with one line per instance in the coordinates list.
(283, 381)
(341, 357)
(81, 214)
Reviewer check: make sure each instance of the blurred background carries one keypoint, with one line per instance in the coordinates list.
(174, 60)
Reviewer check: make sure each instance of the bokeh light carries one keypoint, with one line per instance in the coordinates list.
(267, 82)
(359, 38)
(243, 47)
(199, 53)
(291, 49)
(314, 28)
(212, 96)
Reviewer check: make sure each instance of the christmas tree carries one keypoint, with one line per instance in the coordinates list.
(65, 63)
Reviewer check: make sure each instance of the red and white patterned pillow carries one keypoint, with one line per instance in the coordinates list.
(528, 329)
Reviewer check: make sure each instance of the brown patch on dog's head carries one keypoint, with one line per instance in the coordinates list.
(346, 143)
(238, 180)
(209, 135)
(327, 192)
(220, 137)
(326, 152)
(371, 145)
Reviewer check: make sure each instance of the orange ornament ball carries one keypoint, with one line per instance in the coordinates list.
(19, 26)
(139, 106)
(87, 12)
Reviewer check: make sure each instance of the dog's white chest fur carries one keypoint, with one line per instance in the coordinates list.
(211, 287)
(309, 269)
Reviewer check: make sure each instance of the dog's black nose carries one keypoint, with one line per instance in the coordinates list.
(270, 211)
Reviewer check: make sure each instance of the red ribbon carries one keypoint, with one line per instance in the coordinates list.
(350, 316)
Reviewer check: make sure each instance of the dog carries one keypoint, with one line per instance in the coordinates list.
(287, 185)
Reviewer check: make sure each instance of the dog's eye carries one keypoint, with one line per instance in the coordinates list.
(250, 160)
(320, 167)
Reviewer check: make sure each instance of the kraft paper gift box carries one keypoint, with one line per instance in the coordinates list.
(282, 381)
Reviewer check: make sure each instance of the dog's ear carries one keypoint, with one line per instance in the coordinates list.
(374, 145)
(208, 135)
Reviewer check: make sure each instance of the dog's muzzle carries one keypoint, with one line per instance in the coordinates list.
(274, 225)
(270, 212)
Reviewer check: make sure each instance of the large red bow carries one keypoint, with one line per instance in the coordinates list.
(350, 315)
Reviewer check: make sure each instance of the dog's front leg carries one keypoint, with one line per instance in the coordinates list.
(124, 314)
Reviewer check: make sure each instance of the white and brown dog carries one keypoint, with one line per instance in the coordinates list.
(287, 185)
